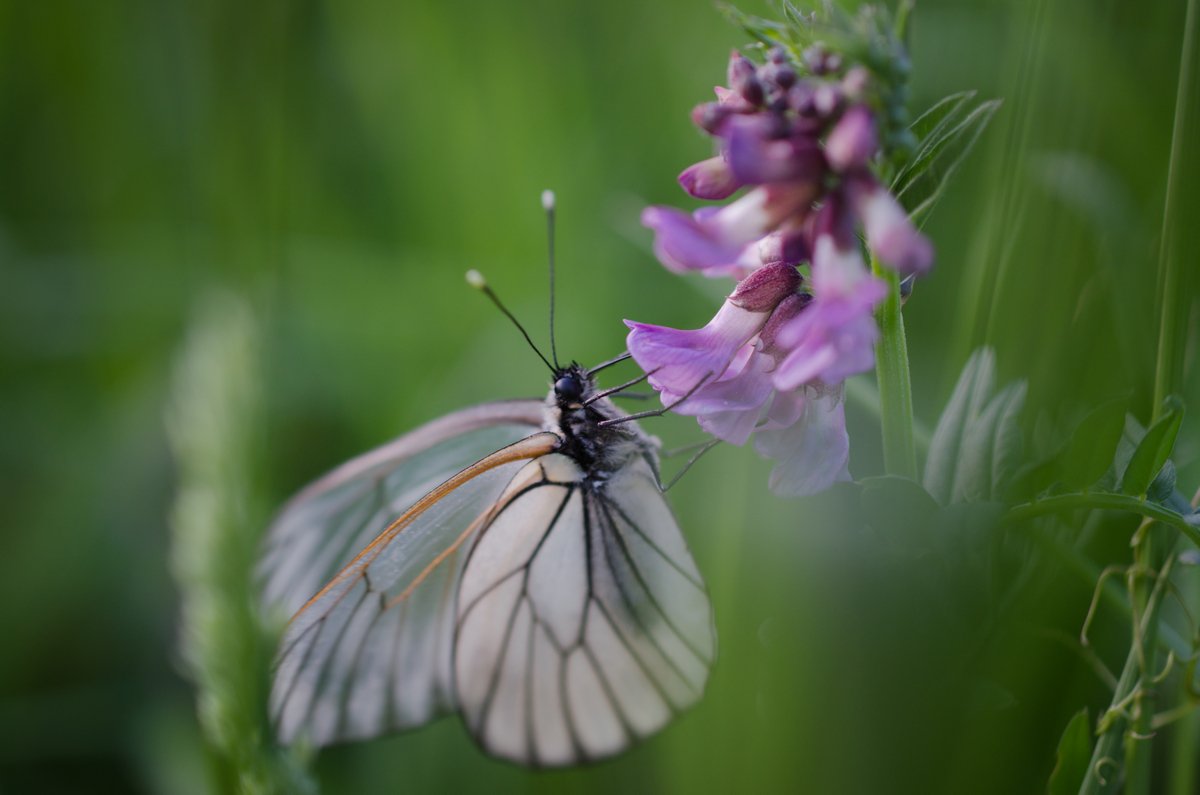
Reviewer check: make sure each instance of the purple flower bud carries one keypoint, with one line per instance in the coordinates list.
(756, 156)
(777, 55)
(856, 82)
(740, 67)
(779, 75)
(890, 233)
(827, 98)
(788, 308)
(710, 116)
(790, 246)
(820, 61)
(741, 77)
(834, 220)
(762, 290)
(852, 142)
(709, 179)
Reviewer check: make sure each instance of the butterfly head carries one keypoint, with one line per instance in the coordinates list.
(570, 383)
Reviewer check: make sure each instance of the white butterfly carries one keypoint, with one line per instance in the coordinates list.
(544, 591)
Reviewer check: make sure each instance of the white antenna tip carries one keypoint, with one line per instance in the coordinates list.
(547, 200)
(476, 280)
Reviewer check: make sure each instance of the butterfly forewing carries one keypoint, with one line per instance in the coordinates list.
(321, 529)
(581, 628)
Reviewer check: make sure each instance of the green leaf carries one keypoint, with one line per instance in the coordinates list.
(970, 395)
(1153, 450)
(932, 125)
(766, 31)
(899, 510)
(1090, 451)
(1163, 486)
(1073, 756)
(924, 180)
(991, 448)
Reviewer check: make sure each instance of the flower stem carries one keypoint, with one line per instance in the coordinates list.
(895, 387)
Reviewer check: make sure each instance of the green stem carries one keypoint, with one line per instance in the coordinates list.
(1169, 640)
(1061, 503)
(1173, 300)
(895, 388)
(1137, 754)
(1103, 762)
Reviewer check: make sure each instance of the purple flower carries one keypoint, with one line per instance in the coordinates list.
(724, 241)
(809, 441)
(890, 233)
(679, 360)
(771, 363)
(834, 337)
(729, 408)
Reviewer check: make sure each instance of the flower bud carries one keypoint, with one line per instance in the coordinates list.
(890, 233)
(762, 290)
(853, 141)
(741, 76)
(780, 75)
(709, 179)
(710, 116)
(856, 82)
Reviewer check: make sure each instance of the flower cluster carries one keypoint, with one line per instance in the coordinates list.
(800, 137)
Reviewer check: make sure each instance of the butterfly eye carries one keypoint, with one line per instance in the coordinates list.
(568, 388)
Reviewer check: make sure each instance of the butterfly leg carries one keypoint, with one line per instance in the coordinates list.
(704, 447)
(656, 412)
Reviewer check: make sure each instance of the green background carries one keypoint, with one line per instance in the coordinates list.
(342, 164)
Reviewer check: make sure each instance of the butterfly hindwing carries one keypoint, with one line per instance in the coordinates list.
(583, 624)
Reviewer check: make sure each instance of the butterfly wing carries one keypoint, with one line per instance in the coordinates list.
(321, 528)
(583, 624)
(370, 652)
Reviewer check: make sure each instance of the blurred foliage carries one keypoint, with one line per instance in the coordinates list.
(344, 163)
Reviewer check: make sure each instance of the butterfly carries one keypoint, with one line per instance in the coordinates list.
(516, 562)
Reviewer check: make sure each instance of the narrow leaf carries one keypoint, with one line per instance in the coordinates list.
(930, 128)
(1073, 756)
(1090, 451)
(971, 392)
(929, 174)
(1163, 485)
(1153, 450)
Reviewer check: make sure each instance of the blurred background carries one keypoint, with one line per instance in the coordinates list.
(342, 164)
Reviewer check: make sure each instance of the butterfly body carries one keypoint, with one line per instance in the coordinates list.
(576, 415)
(544, 592)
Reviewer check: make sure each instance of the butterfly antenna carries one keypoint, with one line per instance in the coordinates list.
(476, 280)
(548, 206)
